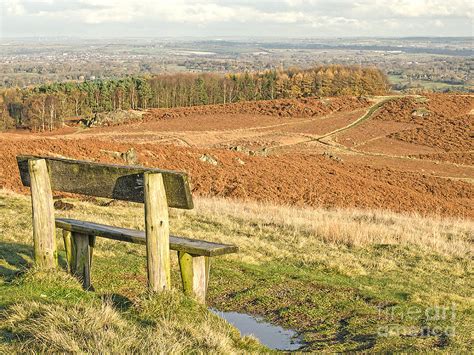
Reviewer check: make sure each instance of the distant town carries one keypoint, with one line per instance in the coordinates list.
(437, 64)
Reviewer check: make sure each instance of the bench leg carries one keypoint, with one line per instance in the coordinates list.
(82, 258)
(70, 248)
(92, 239)
(195, 275)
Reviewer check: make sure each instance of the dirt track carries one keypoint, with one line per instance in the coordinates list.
(437, 124)
(279, 159)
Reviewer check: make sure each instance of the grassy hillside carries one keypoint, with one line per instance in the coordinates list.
(346, 280)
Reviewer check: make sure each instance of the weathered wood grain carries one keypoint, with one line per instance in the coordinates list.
(200, 277)
(185, 261)
(92, 239)
(157, 233)
(44, 232)
(191, 246)
(70, 249)
(110, 181)
(195, 275)
(82, 258)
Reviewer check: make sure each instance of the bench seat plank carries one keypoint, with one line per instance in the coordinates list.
(191, 246)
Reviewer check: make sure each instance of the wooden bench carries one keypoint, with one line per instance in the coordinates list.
(157, 189)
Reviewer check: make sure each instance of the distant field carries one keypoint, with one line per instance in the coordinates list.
(427, 84)
(346, 280)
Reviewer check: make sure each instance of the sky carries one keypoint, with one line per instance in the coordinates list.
(235, 18)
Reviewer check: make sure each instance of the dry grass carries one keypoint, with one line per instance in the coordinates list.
(154, 324)
(49, 312)
(300, 266)
(352, 228)
(89, 327)
(346, 227)
(341, 240)
(266, 232)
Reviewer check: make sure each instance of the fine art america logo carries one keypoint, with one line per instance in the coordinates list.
(436, 321)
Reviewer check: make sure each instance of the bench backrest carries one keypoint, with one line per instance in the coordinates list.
(108, 180)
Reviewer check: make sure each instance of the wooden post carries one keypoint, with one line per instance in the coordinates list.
(195, 275)
(82, 259)
(70, 248)
(157, 232)
(44, 229)
(92, 239)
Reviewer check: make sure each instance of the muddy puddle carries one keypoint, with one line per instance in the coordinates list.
(273, 336)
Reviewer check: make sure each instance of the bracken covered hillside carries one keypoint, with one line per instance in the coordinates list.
(273, 151)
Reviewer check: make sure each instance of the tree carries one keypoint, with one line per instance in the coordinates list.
(6, 121)
(200, 94)
(46, 106)
(144, 92)
(35, 112)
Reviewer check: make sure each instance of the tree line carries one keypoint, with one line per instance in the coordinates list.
(47, 106)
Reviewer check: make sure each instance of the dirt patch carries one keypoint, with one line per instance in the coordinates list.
(392, 146)
(326, 124)
(208, 122)
(254, 130)
(263, 141)
(369, 131)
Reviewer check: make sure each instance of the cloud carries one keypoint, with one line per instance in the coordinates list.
(339, 17)
(430, 8)
(197, 12)
(14, 7)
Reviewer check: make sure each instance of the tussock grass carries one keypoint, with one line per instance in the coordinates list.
(90, 327)
(47, 320)
(351, 228)
(336, 276)
(343, 240)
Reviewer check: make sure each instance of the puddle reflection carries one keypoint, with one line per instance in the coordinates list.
(273, 336)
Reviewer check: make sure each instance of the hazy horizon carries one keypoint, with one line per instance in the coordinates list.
(230, 37)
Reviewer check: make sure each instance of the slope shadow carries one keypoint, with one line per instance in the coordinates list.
(14, 259)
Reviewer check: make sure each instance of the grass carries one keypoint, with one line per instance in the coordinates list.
(346, 280)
